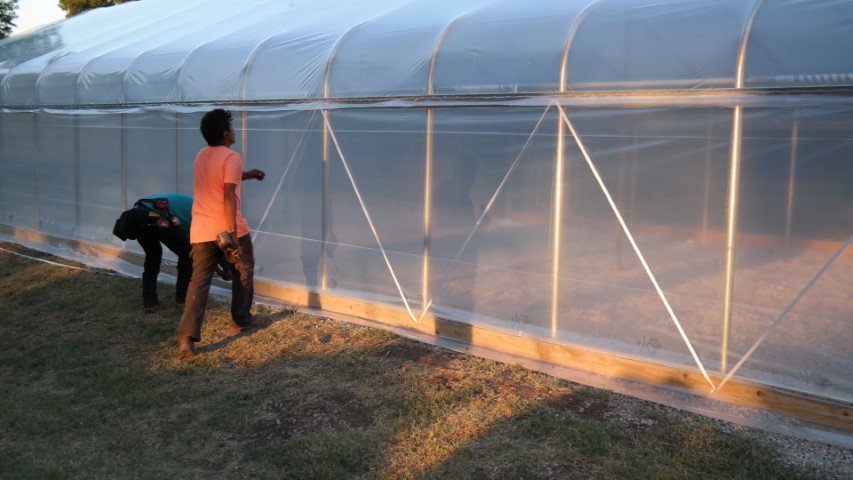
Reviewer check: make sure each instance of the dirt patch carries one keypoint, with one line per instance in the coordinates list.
(407, 351)
(335, 410)
(446, 380)
(568, 402)
(326, 334)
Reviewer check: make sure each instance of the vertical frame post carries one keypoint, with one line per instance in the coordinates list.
(425, 267)
(734, 189)
(123, 126)
(792, 178)
(731, 231)
(76, 160)
(557, 222)
(324, 232)
(35, 165)
(559, 172)
(178, 149)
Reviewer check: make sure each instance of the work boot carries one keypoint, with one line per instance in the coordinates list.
(187, 348)
(150, 306)
(258, 320)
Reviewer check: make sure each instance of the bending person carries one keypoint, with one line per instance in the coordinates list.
(164, 219)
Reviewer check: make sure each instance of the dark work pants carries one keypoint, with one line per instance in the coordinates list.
(204, 257)
(150, 237)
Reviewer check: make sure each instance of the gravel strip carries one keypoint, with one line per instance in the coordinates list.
(823, 460)
(826, 461)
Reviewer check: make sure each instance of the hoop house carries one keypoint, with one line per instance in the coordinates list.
(654, 191)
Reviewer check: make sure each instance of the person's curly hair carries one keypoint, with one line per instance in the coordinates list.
(214, 124)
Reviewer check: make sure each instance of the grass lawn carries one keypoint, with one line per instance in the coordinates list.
(92, 388)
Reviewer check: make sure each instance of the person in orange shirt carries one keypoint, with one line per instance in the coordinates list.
(218, 225)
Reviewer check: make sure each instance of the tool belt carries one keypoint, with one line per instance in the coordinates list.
(158, 212)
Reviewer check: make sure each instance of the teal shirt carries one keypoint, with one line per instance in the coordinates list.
(180, 206)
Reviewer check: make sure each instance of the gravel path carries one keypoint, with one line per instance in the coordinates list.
(820, 459)
(827, 461)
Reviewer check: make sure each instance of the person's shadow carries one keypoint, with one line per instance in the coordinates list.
(274, 317)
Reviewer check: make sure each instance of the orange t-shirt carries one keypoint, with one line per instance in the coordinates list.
(213, 168)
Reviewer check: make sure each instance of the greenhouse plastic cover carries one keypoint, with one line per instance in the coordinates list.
(667, 180)
(160, 51)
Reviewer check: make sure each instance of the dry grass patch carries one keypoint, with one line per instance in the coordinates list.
(93, 388)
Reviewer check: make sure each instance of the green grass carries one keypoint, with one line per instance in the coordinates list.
(92, 388)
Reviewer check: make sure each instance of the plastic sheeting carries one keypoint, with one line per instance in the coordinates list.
(271, 50)
(666, 180)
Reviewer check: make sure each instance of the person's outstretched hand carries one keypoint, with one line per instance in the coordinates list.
(254, 173)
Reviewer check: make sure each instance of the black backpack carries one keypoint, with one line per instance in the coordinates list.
(130, 221)
(126, 225)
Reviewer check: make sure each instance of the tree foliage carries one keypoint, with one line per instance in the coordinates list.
(73, 7)
(8, 14)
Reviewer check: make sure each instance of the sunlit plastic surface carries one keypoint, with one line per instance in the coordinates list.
(786, 50)
(587, 173)
(655, 45)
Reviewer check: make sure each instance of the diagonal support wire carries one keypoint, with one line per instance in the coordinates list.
(367, 215)
(488, 206)
(283, 175)
(634, 245)
(785, 312)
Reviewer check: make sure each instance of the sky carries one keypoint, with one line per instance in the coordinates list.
(34, 13)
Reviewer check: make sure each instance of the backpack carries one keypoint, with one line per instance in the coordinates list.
(125, 227)
(130, 222)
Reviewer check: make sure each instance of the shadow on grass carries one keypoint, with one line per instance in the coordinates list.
(93, 388)
(225, 342)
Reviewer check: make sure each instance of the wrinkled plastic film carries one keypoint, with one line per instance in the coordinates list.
(369, 220)
(784, 313)
(103, 108)
(485, 211)
(636, 248)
